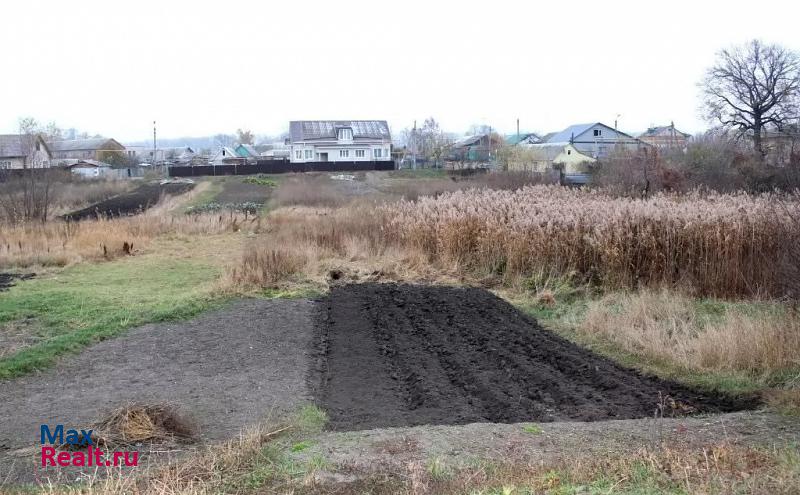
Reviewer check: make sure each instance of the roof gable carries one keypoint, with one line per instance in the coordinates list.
(575, 132)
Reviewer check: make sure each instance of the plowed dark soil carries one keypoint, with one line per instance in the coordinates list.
(401, 355)
(132, 203)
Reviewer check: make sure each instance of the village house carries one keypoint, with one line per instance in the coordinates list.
(226, 155)
(19, 151)
(247, 151)
(99, 149)
(478, 148)
(665, 136)
(339, 141)
(596, 140)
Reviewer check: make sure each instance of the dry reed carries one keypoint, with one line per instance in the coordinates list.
(720, 245)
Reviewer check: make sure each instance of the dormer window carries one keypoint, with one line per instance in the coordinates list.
(345, 134)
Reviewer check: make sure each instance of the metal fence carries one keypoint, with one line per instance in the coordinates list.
(279, 167)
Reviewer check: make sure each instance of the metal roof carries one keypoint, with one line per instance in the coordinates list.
(11, 145)
(85, 144)
(304, 130)
(572, 131)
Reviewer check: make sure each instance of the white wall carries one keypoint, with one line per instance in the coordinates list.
(334, 155)
(9, 163)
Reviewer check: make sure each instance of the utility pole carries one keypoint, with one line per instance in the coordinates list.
(154, 144)
(517, 131)
(414, 146)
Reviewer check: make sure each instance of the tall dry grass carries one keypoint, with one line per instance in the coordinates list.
(58, 243)
(666, 326)
(720, 245)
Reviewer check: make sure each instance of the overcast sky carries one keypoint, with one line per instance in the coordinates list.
(199, 68)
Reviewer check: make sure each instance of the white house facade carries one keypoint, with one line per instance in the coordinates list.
(339, 141)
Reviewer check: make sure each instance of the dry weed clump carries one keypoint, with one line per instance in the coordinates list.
(135, 423)
(664, 325)
(721, 245)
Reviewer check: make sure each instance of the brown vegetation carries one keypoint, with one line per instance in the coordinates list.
(135, 423)
(661, 325)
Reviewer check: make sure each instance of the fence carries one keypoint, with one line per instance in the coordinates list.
(279, 167)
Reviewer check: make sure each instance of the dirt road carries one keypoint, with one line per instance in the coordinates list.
(226, 369)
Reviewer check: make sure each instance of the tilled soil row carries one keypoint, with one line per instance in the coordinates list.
(403, 355)
(131, 203)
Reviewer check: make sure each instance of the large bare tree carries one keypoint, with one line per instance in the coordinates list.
(752, 88)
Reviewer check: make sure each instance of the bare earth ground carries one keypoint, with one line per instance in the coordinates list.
(130, 203)
(405, 355)
(226, 370)
(354, 456)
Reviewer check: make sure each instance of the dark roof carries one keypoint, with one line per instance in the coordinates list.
(304, 130)
(662, 130)
(513, 139)
(11, 145)
(84, 144)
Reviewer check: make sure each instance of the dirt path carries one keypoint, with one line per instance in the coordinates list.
(354, 457)
(404, 355)
(226, 369)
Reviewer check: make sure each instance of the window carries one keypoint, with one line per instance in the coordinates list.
(377, 152)
(569, 152)
(598, 132)
(309, 154)
(345, 134)
(359, 153)
(344, 153)
(5, 164)
(298, 155)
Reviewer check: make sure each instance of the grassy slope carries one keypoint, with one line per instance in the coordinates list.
(92, 302)
(566, 316)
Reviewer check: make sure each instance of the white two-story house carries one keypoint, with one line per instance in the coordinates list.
(339, 141)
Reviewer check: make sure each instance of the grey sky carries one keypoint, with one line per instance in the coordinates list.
(202, 68)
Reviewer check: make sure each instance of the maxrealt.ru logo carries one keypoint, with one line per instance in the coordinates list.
(78, 439)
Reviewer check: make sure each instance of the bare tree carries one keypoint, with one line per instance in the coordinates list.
(433, 142)
(244, 136)
(28, 196)
(752, 88)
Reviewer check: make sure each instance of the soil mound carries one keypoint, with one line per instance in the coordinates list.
(403, 355)
(132, 203)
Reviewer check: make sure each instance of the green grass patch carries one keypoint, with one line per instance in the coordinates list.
(532, 428)
(261, 180)
(88, 303)
(295, 293)
(205, 197)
